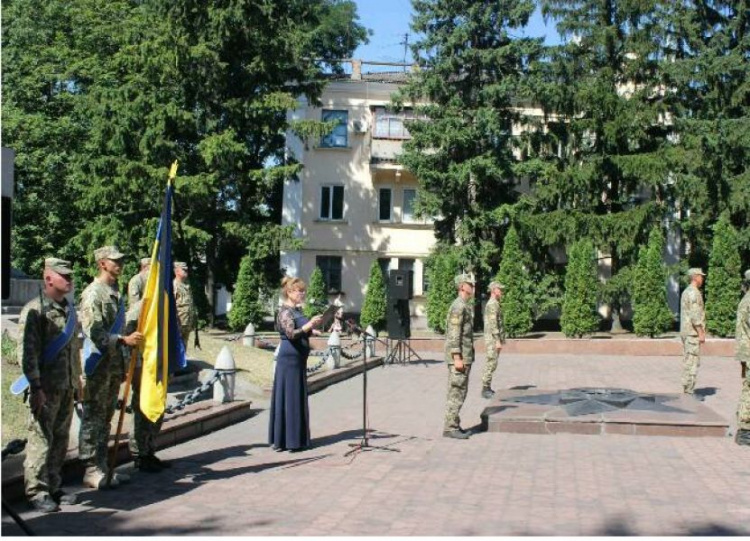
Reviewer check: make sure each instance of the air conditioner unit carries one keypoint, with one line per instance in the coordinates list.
(359, 126)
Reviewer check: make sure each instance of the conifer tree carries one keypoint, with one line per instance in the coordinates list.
(651, 313)
(247, 306)
(518, 297)
(579, 315)
(442, 267)
(317, 297)
(376, 300)
(724, 280)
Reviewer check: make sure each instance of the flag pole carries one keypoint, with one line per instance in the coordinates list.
(131, 370)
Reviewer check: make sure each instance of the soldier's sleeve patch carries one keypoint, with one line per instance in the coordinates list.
(455, 319)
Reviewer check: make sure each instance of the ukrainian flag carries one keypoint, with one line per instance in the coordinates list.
(162, 345)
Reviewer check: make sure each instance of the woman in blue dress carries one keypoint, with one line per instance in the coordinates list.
(289, 428)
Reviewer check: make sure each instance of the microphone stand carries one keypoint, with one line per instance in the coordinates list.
(364, 444)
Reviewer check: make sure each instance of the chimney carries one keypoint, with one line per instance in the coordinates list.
(356, 70)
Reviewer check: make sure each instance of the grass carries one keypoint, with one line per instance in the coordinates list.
(14, 411)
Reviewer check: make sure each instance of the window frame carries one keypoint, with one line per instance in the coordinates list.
(329, 140)
(381, 113)
(330, 202)
(390, 218)
(327, 270)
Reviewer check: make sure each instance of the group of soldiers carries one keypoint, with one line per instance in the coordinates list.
(63, 372)
(459, 347)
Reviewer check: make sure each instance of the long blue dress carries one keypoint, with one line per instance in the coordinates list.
(289, 427)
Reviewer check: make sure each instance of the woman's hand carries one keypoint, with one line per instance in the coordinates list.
(314, 322)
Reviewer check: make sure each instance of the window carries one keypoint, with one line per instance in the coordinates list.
(389, 125)
(408, 265)
(410, 197)
(332, 203)
(330, 266)
(385, 266)
(338, 137)
(385, 207)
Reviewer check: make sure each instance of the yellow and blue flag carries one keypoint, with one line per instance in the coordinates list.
(162, 345)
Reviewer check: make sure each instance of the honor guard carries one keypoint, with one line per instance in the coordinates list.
(692, 329)
(459, 354)
(48, 350)
(137, 284)
(742, 335)
(494, 335)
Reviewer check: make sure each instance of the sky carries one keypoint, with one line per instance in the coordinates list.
(389, 20)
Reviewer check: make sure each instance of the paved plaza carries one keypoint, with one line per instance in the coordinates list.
(232, 483)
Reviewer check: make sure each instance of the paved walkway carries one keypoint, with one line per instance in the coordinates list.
(231, 483)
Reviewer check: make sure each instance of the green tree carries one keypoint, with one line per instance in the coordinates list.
(579, 315)
(131, 85)
(651, 313)
(317, 298)
(471, 70)
(518, 297)
(247, 306)
(376, 300)
(442, 267)
(724, 280)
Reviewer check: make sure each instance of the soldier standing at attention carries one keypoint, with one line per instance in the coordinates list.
(48, 350)
(459, 354)
(743, 355)
(184, 301)
(494, 336)
(137, 284)
(692, 329)
(104, 365)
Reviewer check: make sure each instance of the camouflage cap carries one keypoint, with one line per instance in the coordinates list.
(145, 261)
(464, 278)
(108, 252)
(696, 271)
(494, 285)
(180, 265)
(60, 266)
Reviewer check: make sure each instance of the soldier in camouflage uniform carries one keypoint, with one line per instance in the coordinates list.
(52, 383)
(184, 301)
(742, 334)
(494, 336)
(692, 329)
(137, 283)
(142, 445)
(459, 355)
(100, 306)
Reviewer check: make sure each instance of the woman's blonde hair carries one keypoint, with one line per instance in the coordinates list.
(289, 283)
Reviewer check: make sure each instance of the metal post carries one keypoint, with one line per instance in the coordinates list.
(224, 388)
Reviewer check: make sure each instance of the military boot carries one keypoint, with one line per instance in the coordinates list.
(95, 478)
(456, 434)
(146, 464)
(161, 463)
(487, 392)
(742, 437)
(65, 498)
(44, 503)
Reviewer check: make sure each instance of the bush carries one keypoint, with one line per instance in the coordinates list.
(651, 313)
(518, 298)
(247, 305)
(376, 300)
(317, 297)
(442, 268)
(724, 280)
(579, 315)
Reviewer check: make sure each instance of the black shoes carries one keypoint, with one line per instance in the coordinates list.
(456, 434)
(65, 498)
(742, 437)
(45, 504)
(163, 464)
(148, 464)
(487, 392)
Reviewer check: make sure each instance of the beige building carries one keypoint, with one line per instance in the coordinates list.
(353, 203)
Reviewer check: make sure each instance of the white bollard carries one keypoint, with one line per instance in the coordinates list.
(370, 342)
(224, 388)
(334, 345)
(248, 338)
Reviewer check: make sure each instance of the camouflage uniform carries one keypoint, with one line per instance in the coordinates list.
(742, 334)
(494, 332)
(47, 436)
(185, 312)
(692, 315)
(144, 431)
(459, 330)
(136, 286)
(99, 307)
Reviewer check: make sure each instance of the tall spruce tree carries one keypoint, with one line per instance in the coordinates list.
(579, 315)
(651, 313)
(131, 85)
(376, 302)
(724, 280)
(317, 297)
(471, 67)
(518, 297)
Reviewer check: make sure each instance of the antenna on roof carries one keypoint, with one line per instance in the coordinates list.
(405, 43)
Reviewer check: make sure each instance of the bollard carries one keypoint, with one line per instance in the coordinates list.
(334, 346)
(370, 342)
(224, 388)
(248, 338)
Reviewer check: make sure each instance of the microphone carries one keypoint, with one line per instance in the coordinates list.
(353, 327)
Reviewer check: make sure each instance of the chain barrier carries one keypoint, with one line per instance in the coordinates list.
(323, 358)
(351, 356)
(192, 397)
